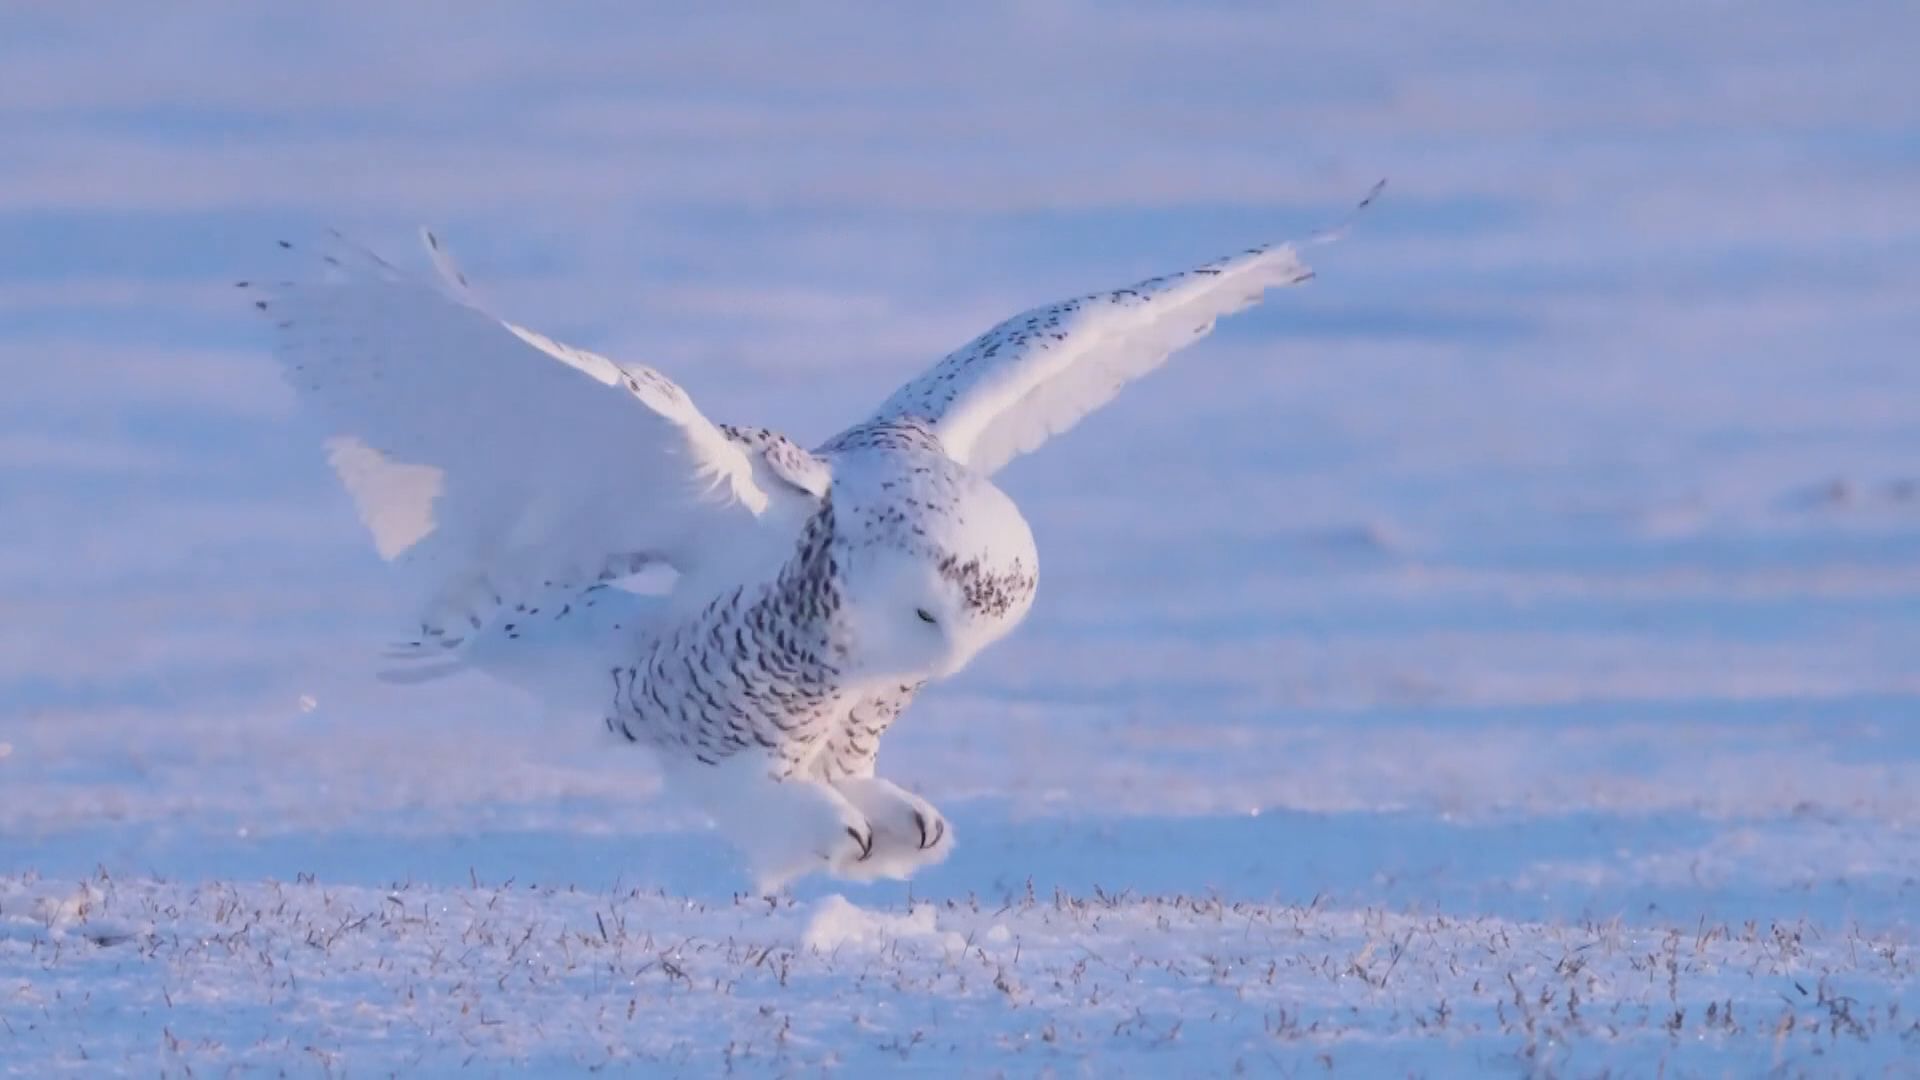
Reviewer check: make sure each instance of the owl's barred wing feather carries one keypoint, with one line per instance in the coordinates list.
(1042, 371)
(495, 465)
(1039, 373)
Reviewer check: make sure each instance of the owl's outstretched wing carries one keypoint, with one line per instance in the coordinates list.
(494, 465)
(1039, 373)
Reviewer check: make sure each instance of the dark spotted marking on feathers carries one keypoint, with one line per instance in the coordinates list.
(1038, 330)
(897, 434)
(696, 688)
(986, 591)
(851, 750)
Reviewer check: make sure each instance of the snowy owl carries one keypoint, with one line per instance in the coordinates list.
(802, 597)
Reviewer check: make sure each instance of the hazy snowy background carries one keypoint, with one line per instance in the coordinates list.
(1555, 560)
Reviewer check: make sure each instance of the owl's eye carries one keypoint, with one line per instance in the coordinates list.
(925, 615)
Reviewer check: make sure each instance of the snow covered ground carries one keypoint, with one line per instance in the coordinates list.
(1526, 682)
(224, 974)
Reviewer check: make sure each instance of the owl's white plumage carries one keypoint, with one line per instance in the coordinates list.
(808, 596)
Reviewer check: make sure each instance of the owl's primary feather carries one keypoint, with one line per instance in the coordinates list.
(1039, 373)
(811, 595)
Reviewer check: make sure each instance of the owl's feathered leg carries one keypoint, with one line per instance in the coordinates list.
(908, 833)
(784, 828)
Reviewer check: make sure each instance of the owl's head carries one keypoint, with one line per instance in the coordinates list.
(935, 563)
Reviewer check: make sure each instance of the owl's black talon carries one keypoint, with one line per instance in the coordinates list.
(939, 830)
(865, 842)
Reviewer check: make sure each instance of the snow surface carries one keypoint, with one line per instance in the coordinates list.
(1527, 683)
(226, 974)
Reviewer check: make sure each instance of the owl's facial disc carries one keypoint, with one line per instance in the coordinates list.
(921, 613)
(937, 563)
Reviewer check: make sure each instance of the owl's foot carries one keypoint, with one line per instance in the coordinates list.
(908, 833)
(802, 826)
(783, 828)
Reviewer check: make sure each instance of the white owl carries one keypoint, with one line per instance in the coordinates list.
(511, 478)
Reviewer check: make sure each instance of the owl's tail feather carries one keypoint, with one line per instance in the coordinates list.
(560, 652)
